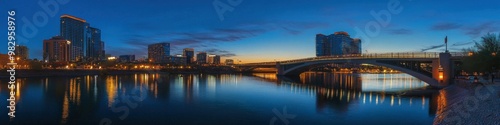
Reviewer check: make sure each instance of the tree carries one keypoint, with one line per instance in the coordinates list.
(483, 57)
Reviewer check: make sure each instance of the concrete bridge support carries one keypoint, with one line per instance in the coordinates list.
(280, 69)
(447, 69)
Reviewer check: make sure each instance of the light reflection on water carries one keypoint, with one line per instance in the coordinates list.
(352, 87)
(317, 98)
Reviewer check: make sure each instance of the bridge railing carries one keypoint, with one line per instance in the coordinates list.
(366, 56)
(401, 55)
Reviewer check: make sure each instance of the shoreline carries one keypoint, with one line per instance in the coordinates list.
(475, 104)
(22, 73)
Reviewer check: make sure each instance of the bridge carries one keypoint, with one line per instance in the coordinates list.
(436, 69)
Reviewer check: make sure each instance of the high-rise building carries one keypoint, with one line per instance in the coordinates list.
(103, 51)
(126, 58)
(201, 58)
(76, 30)
(22, 52)
(213, 59)
(189, 54)
(159, 52)
(356, 46)
(95, 45)
(86, 40)
(56, 49)
(339, 43)
(210, 59)
(321, 45)
(216, 59)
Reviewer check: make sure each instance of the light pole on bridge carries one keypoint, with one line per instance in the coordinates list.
(446, 43)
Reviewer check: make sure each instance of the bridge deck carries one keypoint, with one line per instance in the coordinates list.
(407, 55)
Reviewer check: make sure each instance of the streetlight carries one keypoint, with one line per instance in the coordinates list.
(441, 75)
(494, 53)
(471, 53)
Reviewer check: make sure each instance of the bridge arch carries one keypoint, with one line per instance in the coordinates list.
(295, 69)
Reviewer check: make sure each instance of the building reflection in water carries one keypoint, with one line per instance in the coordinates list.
(4, 86)
(338, 91)
(75, 97)
(187, 81)
(19, 85)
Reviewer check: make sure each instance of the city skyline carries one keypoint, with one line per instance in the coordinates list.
(253, 31)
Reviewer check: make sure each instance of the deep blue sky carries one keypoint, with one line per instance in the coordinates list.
(261, 30)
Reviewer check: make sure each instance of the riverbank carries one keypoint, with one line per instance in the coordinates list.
(22, 73)
(470, 104)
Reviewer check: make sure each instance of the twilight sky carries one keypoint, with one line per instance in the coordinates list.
(259, 30)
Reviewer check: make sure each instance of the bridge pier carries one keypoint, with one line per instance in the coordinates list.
(447, 69)
(280, 70)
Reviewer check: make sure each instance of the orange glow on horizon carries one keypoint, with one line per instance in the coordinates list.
(257, 59)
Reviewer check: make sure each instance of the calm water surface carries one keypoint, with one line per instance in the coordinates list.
(314, 98)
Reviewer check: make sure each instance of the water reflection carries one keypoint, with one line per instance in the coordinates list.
(337, 91)
(216, 99)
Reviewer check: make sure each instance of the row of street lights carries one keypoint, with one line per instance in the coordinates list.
(493, 53)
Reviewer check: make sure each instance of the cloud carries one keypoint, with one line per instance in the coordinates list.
(401, 31)
(219, 35)
(296, 28)
(432, 47)
(215, 35)
(181, 42)
(472, 30)
(483, 28)
(453, 47)
(445, 26)
(462, 44)
(210, 38)
(222, 53)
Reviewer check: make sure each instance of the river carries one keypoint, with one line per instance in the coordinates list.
(236, 99)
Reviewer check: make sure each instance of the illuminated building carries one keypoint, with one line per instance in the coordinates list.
(216, 59)
(126, 58)
(177, 60)
(22, 52)
(213, 59)
(159, 52)
(189, 54)
(356, 46)
(95, 47)
(86, 40)
(201, 58)
(339, 43)
(56, 49)
(321, 44)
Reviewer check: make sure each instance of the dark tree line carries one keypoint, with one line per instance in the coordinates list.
(483, 56)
